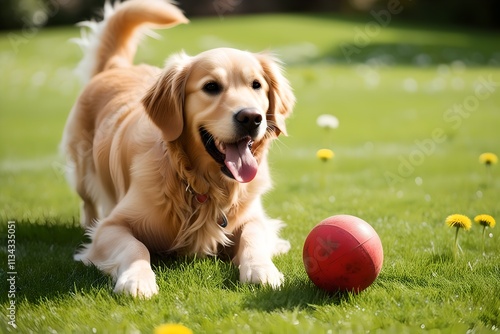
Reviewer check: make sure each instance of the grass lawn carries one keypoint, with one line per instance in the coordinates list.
(417, 106)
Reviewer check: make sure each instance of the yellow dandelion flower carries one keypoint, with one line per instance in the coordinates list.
(325, 154)
(459, 221)
(172, 329)
(488, 158)
(485, 220)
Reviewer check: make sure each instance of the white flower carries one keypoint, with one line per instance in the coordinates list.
(327, 121)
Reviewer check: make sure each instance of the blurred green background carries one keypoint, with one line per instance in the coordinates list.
(481, 13)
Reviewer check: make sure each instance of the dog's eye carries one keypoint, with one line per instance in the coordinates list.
(212, 88)
(256, 84)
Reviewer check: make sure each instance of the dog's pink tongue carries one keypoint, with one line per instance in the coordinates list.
(240, 161)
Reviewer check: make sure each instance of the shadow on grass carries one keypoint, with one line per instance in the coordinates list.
(211, 272)
(296, 295)
(217, 273)
(416, 44)
(412, 54)
(45, 270)
(44, 267)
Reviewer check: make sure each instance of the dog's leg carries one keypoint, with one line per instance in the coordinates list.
(88, 214)
(257, 244)
(117, 252)
(81, 175)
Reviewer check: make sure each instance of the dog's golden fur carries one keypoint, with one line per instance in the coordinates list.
(138, 160)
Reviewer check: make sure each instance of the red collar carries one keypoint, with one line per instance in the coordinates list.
(200, 198)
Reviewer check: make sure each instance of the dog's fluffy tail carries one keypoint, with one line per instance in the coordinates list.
(113, 41)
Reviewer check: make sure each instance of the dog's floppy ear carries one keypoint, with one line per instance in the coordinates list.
(164, 101)
(281, 98)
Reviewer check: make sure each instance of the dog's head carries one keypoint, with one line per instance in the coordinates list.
(224, 102)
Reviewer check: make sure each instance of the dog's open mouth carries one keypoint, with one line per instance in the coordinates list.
(236, 158)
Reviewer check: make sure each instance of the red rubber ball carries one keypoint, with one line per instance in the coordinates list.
(343, 253)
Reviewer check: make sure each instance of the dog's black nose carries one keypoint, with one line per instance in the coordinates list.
(248, 118)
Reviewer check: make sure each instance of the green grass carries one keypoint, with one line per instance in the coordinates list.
(381, 173)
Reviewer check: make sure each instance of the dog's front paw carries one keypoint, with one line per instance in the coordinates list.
(138, 281)
(264, 273)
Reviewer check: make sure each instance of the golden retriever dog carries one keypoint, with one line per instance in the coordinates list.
(174, 160)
